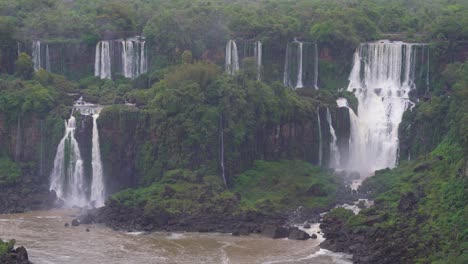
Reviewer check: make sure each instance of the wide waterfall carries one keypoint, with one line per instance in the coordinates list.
(301, 65)
(382, 77)
(68, 177)
(232, 57)
(40, 56)
(127, 57)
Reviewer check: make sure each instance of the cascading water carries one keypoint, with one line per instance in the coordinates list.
(334, 160)
(232, 58)
(47, 58)
(102, 62)
(299, 61)
(36, 55)
(40, 62)
(97, 185)
(258, 58)
(124, 56)
(301, 65)
(68, 176)
(381, 79)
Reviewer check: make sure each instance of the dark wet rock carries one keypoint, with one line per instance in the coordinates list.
(307, 225)
(87, 229)
(313, 236)
(27, 196)
(275, 231)
(75, 222)
(66, 225)
(15, 256)
(297, 234)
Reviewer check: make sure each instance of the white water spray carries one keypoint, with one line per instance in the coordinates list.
(97, 184)
(334, 160)
(381, 79)
(232, 58)
(320, 153)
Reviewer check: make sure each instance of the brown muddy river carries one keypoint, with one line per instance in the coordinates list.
(49, 242)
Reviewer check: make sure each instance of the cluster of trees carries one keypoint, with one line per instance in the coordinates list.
(203, 26)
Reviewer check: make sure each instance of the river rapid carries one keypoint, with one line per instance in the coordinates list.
(48, 241)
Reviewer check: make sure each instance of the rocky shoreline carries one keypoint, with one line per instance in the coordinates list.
(17, 198)
(15, 256)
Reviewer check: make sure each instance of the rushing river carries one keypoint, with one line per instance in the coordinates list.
(48, 241)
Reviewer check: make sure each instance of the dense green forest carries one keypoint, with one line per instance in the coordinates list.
(168, 120)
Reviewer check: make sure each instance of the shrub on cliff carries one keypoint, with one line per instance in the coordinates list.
(10, 172)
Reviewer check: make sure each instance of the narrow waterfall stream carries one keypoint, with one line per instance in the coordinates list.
(334, 159)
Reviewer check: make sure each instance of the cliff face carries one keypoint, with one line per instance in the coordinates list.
(136, 149)
(31, 139)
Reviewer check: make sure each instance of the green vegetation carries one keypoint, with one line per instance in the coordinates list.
(10, 172)
(285, 184)
(270, 188)
(423, 201)
(6, 247)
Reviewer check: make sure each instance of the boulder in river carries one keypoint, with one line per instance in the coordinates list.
(75, 222)
(273, 231)
(297, 234)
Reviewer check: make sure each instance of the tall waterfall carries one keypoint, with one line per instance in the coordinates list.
(68, 175)
(382, 77)
(320, 153)
(334, 160)
(258, 58)
(36, 55)
(40, 56)
(301, 65)
(221, 139)
(124, 56)
(102, 62)
(97, 184)
(232, 57)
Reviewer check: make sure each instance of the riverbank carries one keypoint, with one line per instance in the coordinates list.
(74, 245)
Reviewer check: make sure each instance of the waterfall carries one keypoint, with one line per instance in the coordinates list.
(232, 58)
(102, 61)
(286, 80)
(97, 184)
(381, 79)
(334, 160)
(320, 153)
(130, 54)
(47, 58)
(258, 58)
(128, 60)
(301, 65)
(316, 67)
(67, 177)
(36, 55)
(299, 61)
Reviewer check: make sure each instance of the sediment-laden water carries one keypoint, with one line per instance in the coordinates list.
(48, 241)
